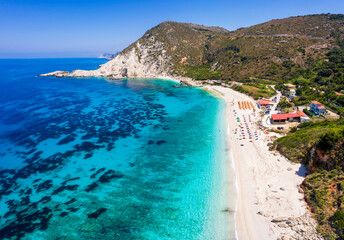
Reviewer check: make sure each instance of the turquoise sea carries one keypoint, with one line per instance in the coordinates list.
(94, 158)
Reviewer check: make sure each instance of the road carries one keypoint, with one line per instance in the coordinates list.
(266, 118)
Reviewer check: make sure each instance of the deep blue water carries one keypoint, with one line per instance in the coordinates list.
(93, 158)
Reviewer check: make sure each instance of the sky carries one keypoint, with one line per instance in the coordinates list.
(87, 28)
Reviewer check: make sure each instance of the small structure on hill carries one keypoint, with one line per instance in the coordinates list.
(236, 83)
(290, 86)
(292, 92)
(339, 94)
(317, 108)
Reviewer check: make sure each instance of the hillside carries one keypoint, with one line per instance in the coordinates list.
(275, 50)
(314, 26)
(320, 147)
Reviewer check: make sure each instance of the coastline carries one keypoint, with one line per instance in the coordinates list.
(269, 204)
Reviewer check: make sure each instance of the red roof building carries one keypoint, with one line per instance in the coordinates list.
(302, 114)
(282, 118)
(317, 103)
(339, 94)
(264, 102)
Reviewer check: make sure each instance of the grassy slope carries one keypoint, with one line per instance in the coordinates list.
(297, 145)
(256, 90)
(324, 192)
(311, 25)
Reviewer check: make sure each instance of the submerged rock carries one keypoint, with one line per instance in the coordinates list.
(67, 187)
(91, 187)
(108, 175)
(70, 201)
(97, 213)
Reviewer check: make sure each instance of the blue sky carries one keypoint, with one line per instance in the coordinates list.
(87, 28)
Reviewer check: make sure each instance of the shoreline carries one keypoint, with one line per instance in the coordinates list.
(268, 202)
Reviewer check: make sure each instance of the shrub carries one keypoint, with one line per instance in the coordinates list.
(301, 50)
(336, 16)
(293, 129)
(202, 72)
(307, 112)
(338, 222)
(328, 140)
(325, 72)
(284, 104)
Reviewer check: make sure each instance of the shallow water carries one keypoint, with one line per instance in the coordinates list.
(91, 158)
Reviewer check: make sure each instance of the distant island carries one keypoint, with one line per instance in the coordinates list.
(108, 55)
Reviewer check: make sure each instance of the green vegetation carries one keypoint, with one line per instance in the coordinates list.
(284, 104)
(324, 191)
(320, 146)
(301, 50)
(201, 72)
(338, 221)
(283, 89)
(296, 25)
(307, 112)
(256, 90)
(321, 80)
(296, 146)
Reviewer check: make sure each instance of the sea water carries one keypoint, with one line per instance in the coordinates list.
(94, 158)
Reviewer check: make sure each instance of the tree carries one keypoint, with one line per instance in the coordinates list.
(338, 222)
(328, 140)
(307, 112)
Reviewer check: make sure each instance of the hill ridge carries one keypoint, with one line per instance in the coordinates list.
(173, 49)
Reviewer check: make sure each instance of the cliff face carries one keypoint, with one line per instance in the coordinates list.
(141, 60)
(138, 61)
(153, 55)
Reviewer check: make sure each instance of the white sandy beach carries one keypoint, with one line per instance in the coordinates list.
(269, 204)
